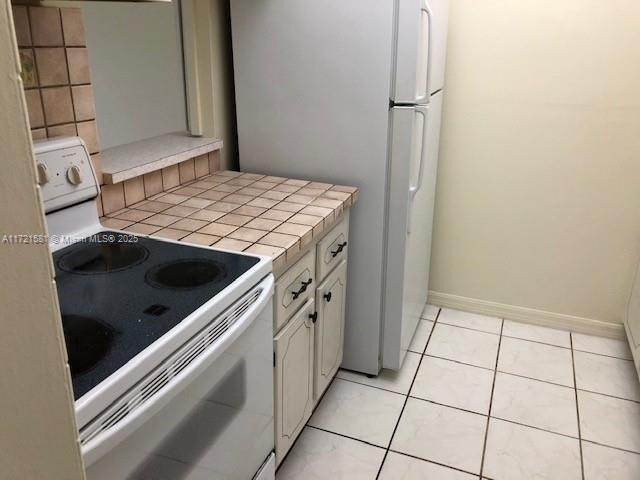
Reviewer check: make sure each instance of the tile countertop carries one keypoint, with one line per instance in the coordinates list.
(261, 214)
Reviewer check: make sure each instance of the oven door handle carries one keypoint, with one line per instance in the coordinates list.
(100, 444)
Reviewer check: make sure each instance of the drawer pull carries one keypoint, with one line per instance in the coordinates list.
(327, 296)
(302, 289)
(340, 248)
(313, 316)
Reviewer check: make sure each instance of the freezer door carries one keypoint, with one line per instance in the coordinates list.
(413, 169)
(406, 53)
(420, 50)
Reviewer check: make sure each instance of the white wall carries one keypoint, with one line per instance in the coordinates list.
(136, 69)
(538, 201)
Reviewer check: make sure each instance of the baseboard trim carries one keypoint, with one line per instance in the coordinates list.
(588, 326)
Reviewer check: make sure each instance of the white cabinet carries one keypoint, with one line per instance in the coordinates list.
(293, 377)
(632, 322)
(329, 341)
(309, 335)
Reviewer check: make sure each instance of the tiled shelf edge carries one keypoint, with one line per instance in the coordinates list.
(145, 156)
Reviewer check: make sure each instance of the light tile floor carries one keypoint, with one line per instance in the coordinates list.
(478, 397)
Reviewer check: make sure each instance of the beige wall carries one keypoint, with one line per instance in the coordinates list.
(538, 201)
(38, 437)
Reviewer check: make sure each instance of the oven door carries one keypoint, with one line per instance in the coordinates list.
(205, 413)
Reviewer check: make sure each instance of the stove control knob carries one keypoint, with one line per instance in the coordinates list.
(43, 173)
(73, 175)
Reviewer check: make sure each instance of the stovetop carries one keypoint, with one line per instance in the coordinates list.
(119, 293)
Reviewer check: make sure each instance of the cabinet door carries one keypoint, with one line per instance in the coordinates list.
(330, 303)
(293, 377)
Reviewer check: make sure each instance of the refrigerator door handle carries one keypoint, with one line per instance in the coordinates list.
(422, 110)
(424, 7)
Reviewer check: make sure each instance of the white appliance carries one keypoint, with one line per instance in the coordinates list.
(351, 92)
(169, 344)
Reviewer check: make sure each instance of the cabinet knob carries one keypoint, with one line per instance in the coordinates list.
(327, 297)
(313, 316)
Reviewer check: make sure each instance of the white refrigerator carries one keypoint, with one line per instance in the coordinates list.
(350, 92)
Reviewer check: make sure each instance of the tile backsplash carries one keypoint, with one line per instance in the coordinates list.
(117, 196)
(55, 74)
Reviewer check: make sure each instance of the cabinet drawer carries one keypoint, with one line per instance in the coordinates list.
(293, 289)
(332, 248)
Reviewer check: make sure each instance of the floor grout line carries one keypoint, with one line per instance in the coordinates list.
(603, 355)
(538, 341)
(493, 387)
(373, 386)
(575, 389)
(406, 400)
(540, 429)
(433, 402)
(469, 328)
(584, 440)
(608, 395)
(344, 436)
(432, 461)
(533, 378)
(458, 361)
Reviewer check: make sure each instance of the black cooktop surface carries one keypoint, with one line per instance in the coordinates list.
(119, 293)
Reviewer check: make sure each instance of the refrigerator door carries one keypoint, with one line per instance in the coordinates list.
(413, 169)
(406, 52)
(420, 222)
(400, 316)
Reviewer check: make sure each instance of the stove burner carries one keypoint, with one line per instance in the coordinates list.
(103, 258)
(183, 274)
(88, 341)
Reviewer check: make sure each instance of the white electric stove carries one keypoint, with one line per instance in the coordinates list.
(169, 344)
